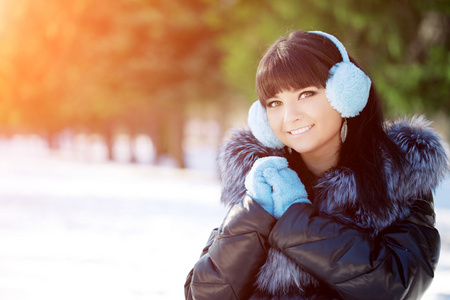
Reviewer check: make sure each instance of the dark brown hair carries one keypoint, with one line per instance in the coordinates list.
(294, 63)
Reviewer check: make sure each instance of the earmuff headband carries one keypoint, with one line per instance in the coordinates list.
(338, 44)
(347, 87)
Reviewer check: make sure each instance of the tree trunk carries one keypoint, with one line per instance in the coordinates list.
(176, 135)
(109, 140)
(167, 134)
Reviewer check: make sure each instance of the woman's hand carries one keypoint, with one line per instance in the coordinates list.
(273, 185)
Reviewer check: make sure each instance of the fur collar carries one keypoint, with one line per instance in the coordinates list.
(336, 192)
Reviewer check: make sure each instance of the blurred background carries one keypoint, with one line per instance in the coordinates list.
(175, 73)
(111, 113)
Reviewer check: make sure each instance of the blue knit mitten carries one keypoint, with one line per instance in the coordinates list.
(274, 185)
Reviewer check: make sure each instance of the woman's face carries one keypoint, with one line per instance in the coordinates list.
(305, 121)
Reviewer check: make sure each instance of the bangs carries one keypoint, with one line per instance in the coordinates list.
(289, 68)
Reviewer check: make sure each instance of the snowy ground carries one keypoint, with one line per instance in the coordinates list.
(71, 229)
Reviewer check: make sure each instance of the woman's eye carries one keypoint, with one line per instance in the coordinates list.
(274, 103)
(306, 94)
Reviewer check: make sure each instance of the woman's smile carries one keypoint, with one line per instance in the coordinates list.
(301, 130)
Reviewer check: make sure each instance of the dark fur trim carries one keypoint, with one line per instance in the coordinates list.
(336, 190)
(424, 150)
(236, 157)
(290, 280)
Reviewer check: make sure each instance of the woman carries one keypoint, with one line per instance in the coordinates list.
(327, 201)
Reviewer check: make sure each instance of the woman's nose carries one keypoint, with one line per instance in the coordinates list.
(292, 113)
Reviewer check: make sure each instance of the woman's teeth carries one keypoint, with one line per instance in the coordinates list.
(301, 130)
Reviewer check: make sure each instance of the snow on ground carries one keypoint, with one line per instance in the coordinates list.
(71, 229)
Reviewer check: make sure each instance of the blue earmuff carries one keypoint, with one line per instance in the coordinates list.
(260, 127)
(347, 87)
(347, 90)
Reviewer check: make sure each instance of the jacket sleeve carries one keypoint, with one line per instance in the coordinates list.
(233, 255)
(397, 264)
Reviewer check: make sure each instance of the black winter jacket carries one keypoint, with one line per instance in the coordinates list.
(334, 249)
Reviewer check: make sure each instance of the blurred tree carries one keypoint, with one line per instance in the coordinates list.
(406, 47)
(98, 65)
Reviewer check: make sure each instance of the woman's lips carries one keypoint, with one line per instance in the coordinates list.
(301, 130)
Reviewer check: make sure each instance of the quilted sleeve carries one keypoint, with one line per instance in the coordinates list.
(233, 256)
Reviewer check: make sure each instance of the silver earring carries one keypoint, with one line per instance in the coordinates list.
(344, 130)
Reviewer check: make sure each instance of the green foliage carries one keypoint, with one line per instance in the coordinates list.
(403, 44)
